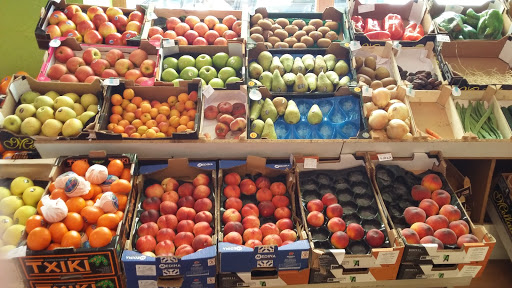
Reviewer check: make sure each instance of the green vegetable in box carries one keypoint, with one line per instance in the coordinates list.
(486, 25)
(452, 23)
(490, 25)
(469, 32)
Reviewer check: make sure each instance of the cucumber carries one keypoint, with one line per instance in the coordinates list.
(508, 116)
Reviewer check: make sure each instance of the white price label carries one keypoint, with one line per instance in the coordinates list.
(454, 8)
(54, 43)
(152, 16)
(456, 91)
(397, 45)
(310, 163)
(17, 252)
(111, 82)
(367, 91)
(255, 95)
(365, 8)
(1, 119)
(145, 270)
(208, 91)
(168, 42)
(469, 270)
(387, 257)
(442, 38)
(147, 284)
(409, 91)
(476, 254)
(385, 157)
(355, 45)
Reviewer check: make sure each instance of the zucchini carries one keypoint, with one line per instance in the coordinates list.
(508, 116)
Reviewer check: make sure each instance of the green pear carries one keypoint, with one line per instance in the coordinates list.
(78, 108)
(341, 68)
(311, 80)
(298, 66)
(13, 234)
(52, 94)
(44, 113)
(73, 97)
(72, 128)
(93, 108)
(323, 84)
(255, 70)
(330, 61)
(29, 97)
(30, 126)
(10, 204)
(276, 65)
(266, 79)
(88, 99)
(12, 123)
(256, 107)
(32, 195)
(333, 77)
(292, 113)
(86, 116)
(63, 114)
(25, 110)
(315, 115)
(278, 84)
(343, 82)
(287, 61)
(269, 131)
(309, 61)
(51, 128)
(63, 101)
(265, 59)
(43, 101)
(258, 83)
(23, 213)
(6, 221)
(300, 85)
(268, 111)
(289, 79)
(280, 103)
(320, 65)
(257, 126)
(4, 192)
(19, 185)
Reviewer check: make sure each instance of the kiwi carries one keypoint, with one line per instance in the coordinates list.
(381, 73)
(290, 41)
(281, 45)
(257, 38)
(364, 78)
(331, 25)
(273, 40)
(283, 22)
(388, 81)
(281, 34)
(315, 35)
(255, 18)
(275, 27)
(299, 45)
(308, 41)
(265, 24)
(376, 84)
(331, 35)
(359, 62)
(323, 42)
(299, 23)
(370, 63)
(271, 21)
(299, 34)
(269, 45)
(323, 30)
(266, 34)
(391, 87)
(256, 30)
(367, 71)
(317, 23)
(308, 29)
(291, 29)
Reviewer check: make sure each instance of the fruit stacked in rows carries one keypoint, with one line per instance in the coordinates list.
(18, 204)
(137, 118)
(95, 26)
(177, 219)
(193, 31)
(230, 118)
(91, 66)
(435, 220)
(266, 221)
(96, 213)
(52, 115)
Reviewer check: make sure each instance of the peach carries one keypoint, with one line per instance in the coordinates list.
(221, 130)
(229, 20)
(239, 124)
(226, 119)
(201, 191)
(201, 29)
(315, 205)
(278, 188)
(201, 179)
(334, 210)
(145, 244)
(203, 204)
(168, 207)
(355, 231)
(441, 197)
(203, 216)
(211, 21)
(432, 182)
(266, 208)
(233, 227)
(411, 237)
(234, 203)
(315, 219)
(253, 233)
(232, 191)
(149, 216)
(155, 190)
(234, 238)
(446, 236)
(280, 201)
(451, 212)
(202, 241)
(375, 238)
(432, 240)
(232, 179)
(329, 199)
(170, 184)
(251, 222)
(165, 248)
(422, 229)
(220, 28)
(185, 213)
(261, 182)
(172, 22)
(165, 234)
(225, 107)
(187, 201)
(250, 209)
(282, 212)
(460, 227)
(272, 239)
(340, 240)
(183, 238)
(170, 196)
(468, 238)
(248, 187)
(231, 215)
(185, 226)
(211, 112)
(186, 189)
(268, 229)
(264, 194)
(149, 228)
(240, 112)
(184, 250)
(167, 221)
(202, 228)
(429, 206)
(414, 214)
(151, 203)
(419, 192)
(336, 224)
(253, 243)
(437, 222)
(288, 235)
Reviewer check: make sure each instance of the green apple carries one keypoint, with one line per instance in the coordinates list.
(29, 97)
(234, 62)
(44, 113)
(32, 195)
(78, 108)
(63, 101)
(23, 213)
(219, 60)
(169, 74)
(176, 82)
(93, 108)
(233, 80)
(10, 204)
(86, 116)
(30, 126)
(207, 73)
(88, 99)
(20, 184)
(12, 123)
(13, 234)
(73, 97)
(186, 61)
(203, 83)
(4, 192)
(52, 94)
(52, 127)
(72, 128)
(170, 62)
(226, 73)
(5, 222)
(5, 249)
(203, 60)
(63, 114)
(216, 83)
(25, 110)
(43, 101)
(189, 73)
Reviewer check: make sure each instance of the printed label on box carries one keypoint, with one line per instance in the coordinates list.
(310, 163)
(145, 270)
(387, 257)
(476, 254)
(469, 270)
(148, 284)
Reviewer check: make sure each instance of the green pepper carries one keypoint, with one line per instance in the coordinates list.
(451, 22)
(472, 18)
(469, 33)
(490, 25)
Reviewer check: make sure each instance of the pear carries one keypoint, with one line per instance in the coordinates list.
(287, 61)
(315, 115)
(276, 65)
(341, 68)
(330, 61)
(300, 85)
(298, 66)
(265, 59)
(52, 94)
(269, 132)
(323, 84)
(25, 110)
(72, 128)
(292, 113)
(280, 103)
(29, 97)
(30, 126)
(255, 70)
(258, 83)
(86, 116)
(256, 107)
(289, 79)
(63, 114)
(51, 128)
(333, 77)
(343, 82)
(309, 61)
(278, 84)
(44, 113)
(43, 101)
(257, 126)
(311, 80)
(78, 108)
(88, 99)
(63, 101)
(94, 108)
(266, 79)
(320, 65)
(268, 111)
(73, 97)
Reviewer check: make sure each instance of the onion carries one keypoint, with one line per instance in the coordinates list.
(408, 136)
(380, 134)
(398, 111)
(391, 102)
(378, 119)
(369, 108)
(381, 97)
(397, 129)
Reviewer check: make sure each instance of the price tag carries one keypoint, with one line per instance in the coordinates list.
(456, 91)
(1, 119)
(111, 82)
(17, 252)
(255, 95)
(442, 38)
(54, 43)
(454, 8)
(148, 284)
(365, 8)
(167, 42)
(385, 157)
(152, 16)
(310, 163)
(208, 91)
(355, 45)
(387, 257)
(476, 254)
(367, 91)
(409, 91)
(469, 270)
(397, 45)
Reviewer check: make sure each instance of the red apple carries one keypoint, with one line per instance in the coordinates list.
(56, 17)
(200, 41)
(155, 30)
(90, 54)
(133, 74)
(90, 79)
(136, 16)
(71, 10)
(109, 73)
(107, 28)
(169, 34)
(211, 21)
(181, 28)
(128, 35)
(99, 65)
(172, 22)
(133, 26)
(190, 35)
(181, 41)
(138, 56)
(221, 41)
(147, 67)
(73, 34)
(92, 37)
(54, 31)
(56, 71)
(65, 26)
(229, 35)
(68, 78)
(84, 26)
(201, 29)
(79, 17)
(211, 36)
(113, 55)
(192, 21)
(63, 54)
(120, 21)
(113, 12)
(114, 39)
(229, 20)
(237, 28)
(122, 66)
(73, 63)
(99, 19)
(93, 10)
(83, 72)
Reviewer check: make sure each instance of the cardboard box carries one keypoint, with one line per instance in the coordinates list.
(22, 84)
(341, 265)
(410, 11)
(80, 48)
(271, 265)
(97, 281)
(197, 281)
(499, 209)
(385, 58)
(151, 93)
(417, 271)
(43, 39)
(70, 265)
(183, 271)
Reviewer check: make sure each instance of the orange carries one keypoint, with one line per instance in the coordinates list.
(125, 103)
(180, 106)
(115, 118)
(128, 94)
(118, 129)
(111, 126)
(183, 97)
(172, 100)
(89, 195)
(52, 185)
(137, 101)
(190, 125)
(75, 204)
(89, 229)
(117, 110)
(175, 113)
(190, 105)
(109, 220)
(131, 107)
(184, 120)
(3, 87)
(119, 214)
(116, 100)
(71, 239)
(59, 193)
(53, 246)
(80, 167)
(191, 113)
(115, 167)
(22, 73)
(100, 237)
(6, 78)
(39, 205)
(8, 154)
(122, 200)
(123, 123)
(91, 214)
(33, 222)
(181, 128)
(39, 239)
(98, 197)
(58, 229)
(126, 175)
(97, 189)
(121, 186)
(74, 221)
(89, 203)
